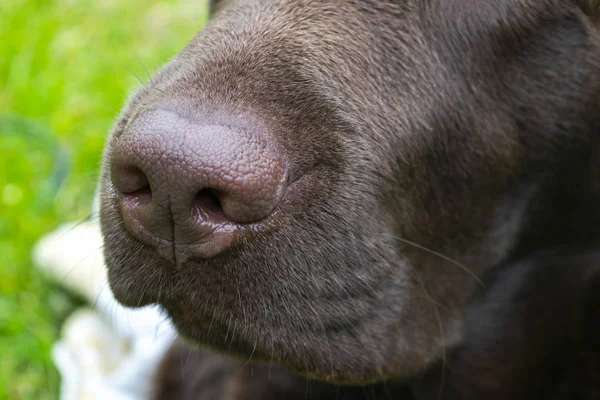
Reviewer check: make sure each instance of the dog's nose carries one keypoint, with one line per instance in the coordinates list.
(185, 184)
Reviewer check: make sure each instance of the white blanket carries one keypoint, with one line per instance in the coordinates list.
(106, 351)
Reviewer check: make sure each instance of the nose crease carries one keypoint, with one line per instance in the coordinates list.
(188, 183)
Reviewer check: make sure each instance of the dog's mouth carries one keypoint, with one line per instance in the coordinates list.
(230, 305)
(258, 310)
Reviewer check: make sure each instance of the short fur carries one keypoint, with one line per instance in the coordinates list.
(431, 143)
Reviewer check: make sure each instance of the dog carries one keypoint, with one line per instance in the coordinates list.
(360, 198)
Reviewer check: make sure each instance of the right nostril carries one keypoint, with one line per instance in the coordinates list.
(207, 202)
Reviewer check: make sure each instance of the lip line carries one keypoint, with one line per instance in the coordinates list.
(152, 237)
(138, 232)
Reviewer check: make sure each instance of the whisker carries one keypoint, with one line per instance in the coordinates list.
(184, 364)
(212, 320)
(307, 394)
(94, 304)
(440, 255)
(159, 326)
(149, 77)
(249, 358)
(242, 306)
(272, 356)
(326, 337)
(228, 328)
(388, 394)
(77, 265)
(441, 329)
(132, 72)
(88, 218)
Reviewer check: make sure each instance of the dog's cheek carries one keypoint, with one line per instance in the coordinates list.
(529, 334)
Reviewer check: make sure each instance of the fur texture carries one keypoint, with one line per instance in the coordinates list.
(429, 143)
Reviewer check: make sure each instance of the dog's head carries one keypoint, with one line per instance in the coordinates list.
(322, 183)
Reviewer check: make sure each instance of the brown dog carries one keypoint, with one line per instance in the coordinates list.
(325, 185)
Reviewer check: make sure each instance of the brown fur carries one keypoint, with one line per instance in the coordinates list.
(430, 143)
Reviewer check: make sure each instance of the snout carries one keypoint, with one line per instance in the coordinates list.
(187, 186)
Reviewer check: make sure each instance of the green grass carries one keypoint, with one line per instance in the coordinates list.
(66, 68)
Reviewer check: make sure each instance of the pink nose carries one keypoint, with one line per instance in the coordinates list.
(186, 187)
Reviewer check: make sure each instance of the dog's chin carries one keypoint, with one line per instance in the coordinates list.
(333, 357)
(300, 353)
(205, 330)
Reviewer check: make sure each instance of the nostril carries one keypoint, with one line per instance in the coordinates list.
(131, 180)
(211, 198)
(207, 204)
(142, 196)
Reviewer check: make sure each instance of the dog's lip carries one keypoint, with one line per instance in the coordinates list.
(142, 231)
(208, 244)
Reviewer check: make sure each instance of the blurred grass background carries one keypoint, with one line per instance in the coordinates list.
(66, 68)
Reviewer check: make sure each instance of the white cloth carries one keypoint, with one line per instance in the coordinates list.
(108, 351)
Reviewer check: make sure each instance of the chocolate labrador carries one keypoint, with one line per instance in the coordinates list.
(363, 199)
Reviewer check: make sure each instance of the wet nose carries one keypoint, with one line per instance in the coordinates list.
(186, 187)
